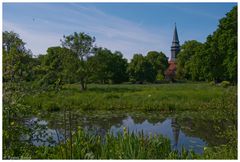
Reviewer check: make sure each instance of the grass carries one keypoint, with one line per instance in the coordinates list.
(164, 97)
(126, 146)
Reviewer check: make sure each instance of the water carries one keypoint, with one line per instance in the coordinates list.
(188, 133)
(168, 128)
(41, 134)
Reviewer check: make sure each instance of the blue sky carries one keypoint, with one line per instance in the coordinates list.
(127, 27)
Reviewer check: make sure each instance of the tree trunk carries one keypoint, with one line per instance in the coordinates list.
(83, 85)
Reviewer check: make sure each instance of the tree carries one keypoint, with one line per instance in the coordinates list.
(141, 70)
(185, 66)
(216, 59)
(225, 38)
(17, 60)
(119, 68)
(82, 45)
(159, 61)
(58, 66)
(101, 66)
(108, 66)
(12, 40)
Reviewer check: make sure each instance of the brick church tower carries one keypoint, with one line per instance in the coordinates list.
(170, 73)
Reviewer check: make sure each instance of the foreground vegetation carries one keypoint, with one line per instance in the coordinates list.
(126, 146)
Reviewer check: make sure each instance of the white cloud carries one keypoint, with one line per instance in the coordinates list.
(36, 41)
(110, 31)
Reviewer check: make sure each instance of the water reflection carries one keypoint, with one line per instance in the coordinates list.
(176, 130)
(42, 135)
(169, 127)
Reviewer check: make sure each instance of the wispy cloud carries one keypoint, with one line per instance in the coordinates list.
(37, 41)
(111, 32)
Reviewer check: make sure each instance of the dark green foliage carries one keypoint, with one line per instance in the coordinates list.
(140, 70)
(12, 40)
(149, 68)
(159, 61)
(216, 59)
(108, 67)
(14, 111)
(185, 60)
(82, 45)
(58, 67)
(17, 60)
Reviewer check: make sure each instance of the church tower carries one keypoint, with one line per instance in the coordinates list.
(175, 48)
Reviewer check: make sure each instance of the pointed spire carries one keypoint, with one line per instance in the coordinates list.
(175, 48)
(175, 34)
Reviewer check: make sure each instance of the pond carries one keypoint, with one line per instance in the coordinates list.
(192, 134)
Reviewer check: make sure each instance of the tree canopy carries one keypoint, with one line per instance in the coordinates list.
(216, 59)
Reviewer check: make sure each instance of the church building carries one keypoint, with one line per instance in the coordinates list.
(170, 73)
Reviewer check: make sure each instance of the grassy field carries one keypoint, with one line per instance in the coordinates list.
(196, 101)
(164, 97)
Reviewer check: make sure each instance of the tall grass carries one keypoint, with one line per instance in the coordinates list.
(124, 146)
(169, 97)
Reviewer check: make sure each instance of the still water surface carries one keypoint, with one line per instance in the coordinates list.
(180, 135)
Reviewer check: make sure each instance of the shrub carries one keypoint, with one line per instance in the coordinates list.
(225, 84)
(212, 83)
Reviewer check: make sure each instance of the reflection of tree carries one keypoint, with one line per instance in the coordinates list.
(138, 120)
(207, 130)
(156, 120)
(176, 130)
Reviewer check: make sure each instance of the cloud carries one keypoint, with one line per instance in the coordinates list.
(36, 41)
(110, 31)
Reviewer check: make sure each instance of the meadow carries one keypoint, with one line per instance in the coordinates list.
(163, 97)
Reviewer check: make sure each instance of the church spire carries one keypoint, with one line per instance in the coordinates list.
(175, 48)
(175, 35)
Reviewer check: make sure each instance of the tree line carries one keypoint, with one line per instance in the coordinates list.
(214, 60)
(77, 59)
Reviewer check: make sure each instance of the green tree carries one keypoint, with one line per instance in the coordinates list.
(159, 61)
(17, 60)
(225, 43)
(108, 66)
(82, 45)
(185, 67)
(140, 69)
(216, 59)
(58, 66)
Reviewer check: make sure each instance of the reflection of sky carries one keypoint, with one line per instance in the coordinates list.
(101, 127)
(165, 129)
(42, 135)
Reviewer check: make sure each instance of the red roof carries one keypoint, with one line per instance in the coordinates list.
(171, 70)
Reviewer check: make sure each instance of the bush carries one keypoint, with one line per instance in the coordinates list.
(212, 83)
(225, 84)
